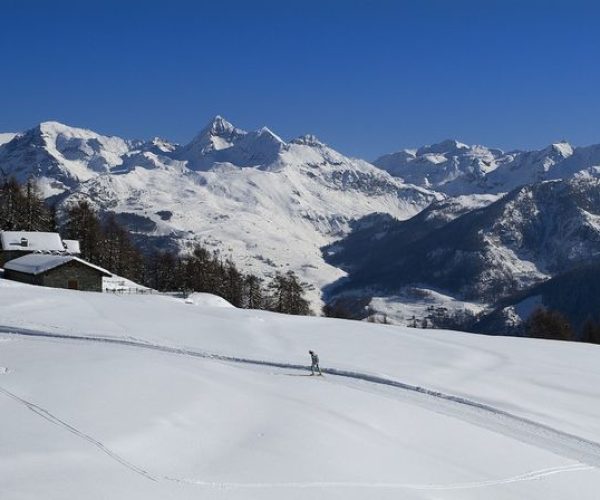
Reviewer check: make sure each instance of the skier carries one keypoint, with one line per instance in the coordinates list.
(314, 360)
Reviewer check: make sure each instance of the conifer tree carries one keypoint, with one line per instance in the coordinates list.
(297, 304)
(11, 205)
(233, 284)
(36, 215)
(253, 292)
(591, 332)
(546, 324)
(83, 224)
(287, 294)
(277, 294)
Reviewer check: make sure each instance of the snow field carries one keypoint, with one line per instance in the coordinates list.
(107, 420)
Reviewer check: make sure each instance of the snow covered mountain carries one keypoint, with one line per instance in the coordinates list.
(221, 142)
(271, 204)
(449, 166)
(61, 157)
(455, 168)
(482, 254)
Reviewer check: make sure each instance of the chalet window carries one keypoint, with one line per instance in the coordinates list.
(73, 285)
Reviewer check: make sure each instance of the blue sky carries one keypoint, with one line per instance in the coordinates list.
(367, 77)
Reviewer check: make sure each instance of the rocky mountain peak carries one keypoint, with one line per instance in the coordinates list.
(308, 140)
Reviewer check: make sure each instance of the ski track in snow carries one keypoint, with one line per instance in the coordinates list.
(42, 412)
(528, 476)
(585, 451)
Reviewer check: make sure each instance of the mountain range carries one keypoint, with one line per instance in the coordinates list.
(268, 203)
(437, 217)
(455, 168)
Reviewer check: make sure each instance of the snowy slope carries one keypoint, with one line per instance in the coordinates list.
(530, 235)
(268, 203)
(138, 408)
(268, 218)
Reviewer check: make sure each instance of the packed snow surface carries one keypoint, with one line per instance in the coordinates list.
(207, 300)
(72, 246)
(118, 284)
(33, 241)
(147, 397)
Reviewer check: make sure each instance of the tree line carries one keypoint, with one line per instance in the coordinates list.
(104, 242)
(22, 208)
(549, 324)
(203, 271)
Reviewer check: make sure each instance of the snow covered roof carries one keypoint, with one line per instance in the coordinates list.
(34, 241)
(72, 246)
(36, 263)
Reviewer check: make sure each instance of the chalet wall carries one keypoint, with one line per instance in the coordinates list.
(22, 277)
(88, 278)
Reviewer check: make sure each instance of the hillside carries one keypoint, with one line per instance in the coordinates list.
(574, 293)
(525, 237)
(149, 397)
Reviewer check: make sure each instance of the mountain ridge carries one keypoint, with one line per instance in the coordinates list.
(268, 203)
(272, 204)
(455, 168)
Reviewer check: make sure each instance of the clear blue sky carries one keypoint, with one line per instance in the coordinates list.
(367, 77)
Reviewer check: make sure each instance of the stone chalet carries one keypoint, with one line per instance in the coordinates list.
(44, 259)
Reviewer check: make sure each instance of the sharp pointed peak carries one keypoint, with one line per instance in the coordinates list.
(218, 123)
(218, 127)
(219, 119)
